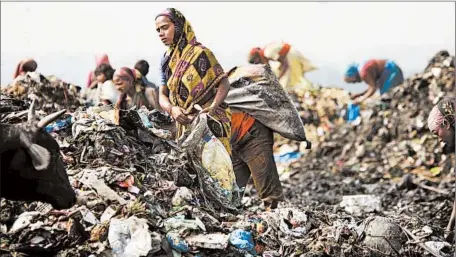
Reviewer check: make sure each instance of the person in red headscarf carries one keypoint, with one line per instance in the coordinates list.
(24, 66)
(256, 56)
(133, 94)
(99, 60)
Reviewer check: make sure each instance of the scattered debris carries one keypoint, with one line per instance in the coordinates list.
(129, 237)
(51, 93)
(139, 194)
(357, 204)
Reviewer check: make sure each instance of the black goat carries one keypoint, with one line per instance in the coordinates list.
(31, 168)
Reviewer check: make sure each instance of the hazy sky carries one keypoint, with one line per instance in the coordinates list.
(63, 37)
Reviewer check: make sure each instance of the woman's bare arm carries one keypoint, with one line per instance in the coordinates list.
(284, 65)
(221, 94)
(163, 99)
(370, 81)
(358, 95)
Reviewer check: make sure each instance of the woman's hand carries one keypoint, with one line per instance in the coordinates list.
(210, 110)
(178, 115)
(354, 96)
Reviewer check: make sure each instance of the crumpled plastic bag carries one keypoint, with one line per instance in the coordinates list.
(359, 204)
(353, 112)
(289, 221)
(23, 221)
(439, 247)
(129, 237)
(181, 225)
(177, 227)
(204, 146)
(218, 162)
(256, 91)
(243, 240)
(208, 241)
(89, 178)
(293, 222)
(182, 196)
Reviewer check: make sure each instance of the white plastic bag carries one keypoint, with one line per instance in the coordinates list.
(217, 161)
(212, 154)
(129, 237)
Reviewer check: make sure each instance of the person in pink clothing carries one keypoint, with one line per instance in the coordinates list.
(24, 66)
(441, 122)
(99, 60)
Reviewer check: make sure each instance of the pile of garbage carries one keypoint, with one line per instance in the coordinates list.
(387, 162)
(324, 111)
(322, 106)
(140, 194)
(51, 93)
(392, 132)
(128, 177)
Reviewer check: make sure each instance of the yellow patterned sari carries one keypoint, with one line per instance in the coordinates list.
(192, 74)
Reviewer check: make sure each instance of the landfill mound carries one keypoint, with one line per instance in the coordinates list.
(387, 162)
(140, 195)
(392, 129)
(51, 93)
(123, 170)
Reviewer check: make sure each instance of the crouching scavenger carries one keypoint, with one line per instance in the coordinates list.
(441, 122)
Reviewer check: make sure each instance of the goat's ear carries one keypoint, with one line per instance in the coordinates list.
(40, 156)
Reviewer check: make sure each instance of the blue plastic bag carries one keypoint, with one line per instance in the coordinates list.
(353, 112)
(243, 240)
(177, 243)
(288, 157)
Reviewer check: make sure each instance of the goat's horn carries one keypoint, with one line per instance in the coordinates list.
(50, 118)
(20, 114)
(31, 112)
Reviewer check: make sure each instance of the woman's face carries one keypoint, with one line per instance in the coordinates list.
(121, 84)
(258, 60)
(101, 78)
(446, 134)
(352, 79)
(165, 29)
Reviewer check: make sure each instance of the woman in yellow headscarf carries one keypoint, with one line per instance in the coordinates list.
(288, 64)
(191, 75)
